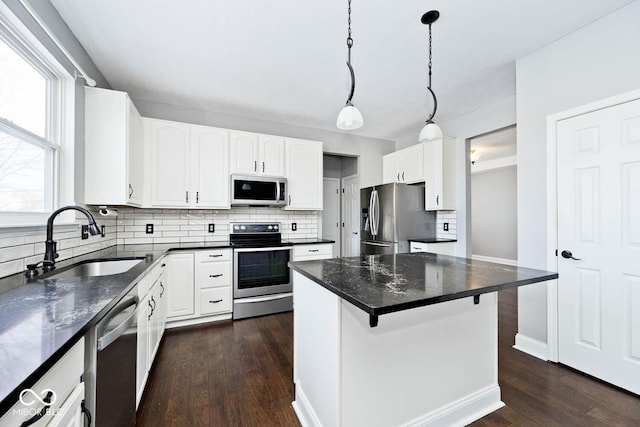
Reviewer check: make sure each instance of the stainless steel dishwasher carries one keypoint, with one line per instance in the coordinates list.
(110, 367)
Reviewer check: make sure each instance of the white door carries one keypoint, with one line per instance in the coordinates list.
(209, 167)
(351, 216)
(331, 212)
(169, 163)
(599, 223)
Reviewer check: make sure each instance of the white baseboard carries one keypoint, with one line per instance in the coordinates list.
(496, 260)
(532, 347)
(196, 321)
(463, 411)
(303, 409)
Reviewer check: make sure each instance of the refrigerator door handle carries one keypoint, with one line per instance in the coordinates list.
(371, 221)
(376, 209)
(384, 245)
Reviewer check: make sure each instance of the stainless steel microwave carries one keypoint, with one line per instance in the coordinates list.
(249, 190)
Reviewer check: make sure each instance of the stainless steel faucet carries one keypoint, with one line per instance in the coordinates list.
(50, 250)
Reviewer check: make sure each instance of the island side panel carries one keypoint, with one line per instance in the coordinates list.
(433, 365)
(316, 341)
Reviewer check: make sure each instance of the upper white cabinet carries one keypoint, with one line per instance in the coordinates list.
(189, 165)
(113, 149)
(440, 174)
(404, 166)
(304, 174)
(254, 154)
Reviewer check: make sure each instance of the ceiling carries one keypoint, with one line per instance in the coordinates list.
(284, 61)
(495, 145)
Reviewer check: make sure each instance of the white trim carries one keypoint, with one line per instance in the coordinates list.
(305, 413)
(532, 347)
(496, 260)
(491, 165)
(552, 206)
(196, 321)
(463, 411)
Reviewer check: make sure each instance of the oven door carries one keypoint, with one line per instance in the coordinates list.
(261, 271)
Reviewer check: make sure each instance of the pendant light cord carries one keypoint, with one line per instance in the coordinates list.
(349, 45)
(433, 95)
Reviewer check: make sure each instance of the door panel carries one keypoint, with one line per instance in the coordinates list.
(331, 212)
(599, 222)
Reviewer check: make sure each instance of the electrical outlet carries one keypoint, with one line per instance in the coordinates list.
(102, 231)
(446, 226)
(84, 232)
(149, 229)
(294, 226)
(212, 228)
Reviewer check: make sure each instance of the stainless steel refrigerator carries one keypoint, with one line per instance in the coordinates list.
(391, 215)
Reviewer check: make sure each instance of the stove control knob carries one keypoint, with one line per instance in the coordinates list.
(275, 227)
(236, 227)
(270, 228)
(242, 227)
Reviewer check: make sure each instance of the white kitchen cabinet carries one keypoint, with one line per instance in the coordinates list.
(440, 174)
(444, 248)
(64, 379)
(255, 154)
(210, 287)
(405, 166)
(304, 174)
(189, 166)
(311, 252)
(180, 285)
(113, 149)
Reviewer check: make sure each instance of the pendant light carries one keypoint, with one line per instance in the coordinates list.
(431, 130)
(349, 117)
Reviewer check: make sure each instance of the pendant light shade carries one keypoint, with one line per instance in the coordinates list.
(349, 117)
(430, 131)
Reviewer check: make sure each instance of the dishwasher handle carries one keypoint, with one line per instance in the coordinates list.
(111, 336)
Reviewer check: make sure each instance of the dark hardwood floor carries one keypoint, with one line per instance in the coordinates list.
(239, 374)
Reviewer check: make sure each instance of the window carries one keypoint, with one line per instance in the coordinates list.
(33, 87)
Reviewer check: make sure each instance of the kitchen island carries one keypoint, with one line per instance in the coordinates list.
(398, 340)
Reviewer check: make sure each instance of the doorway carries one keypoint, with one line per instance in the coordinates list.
(493, 188)
(337, 216)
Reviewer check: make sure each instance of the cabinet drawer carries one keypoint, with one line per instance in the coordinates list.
(213, 255)
(213, 274)
(215, 300)
(417, 247)
(62, 379)
(312, 251)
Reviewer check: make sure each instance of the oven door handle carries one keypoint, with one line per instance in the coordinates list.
(262, 298)
(265, 249)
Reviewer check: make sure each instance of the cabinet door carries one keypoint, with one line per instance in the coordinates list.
(271, 155)
(209, 167)
(154, 323)
(180, 285)
(244, 153)
(391, 166)
(304, 174)
(433, 175)
(169, 163)
(162, 303)
(413, 164)
(136, 156)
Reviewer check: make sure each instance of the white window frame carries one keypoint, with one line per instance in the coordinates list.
(60, 131)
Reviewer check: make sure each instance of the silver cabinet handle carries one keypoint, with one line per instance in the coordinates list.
(403, 176)
(289, 199)
(130, 190)
(197, 197)
(186, 196)
(214, 255)
(215, 301)
(162, 291)
(255, 166)
(262, 166)
(313, 250)
(398, 177)
(438, 200)
(213, 276)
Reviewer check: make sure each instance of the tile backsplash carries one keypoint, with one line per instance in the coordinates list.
(450, 218)
(17, 249)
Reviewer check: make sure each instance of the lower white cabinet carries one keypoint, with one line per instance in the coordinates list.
(151, 322)
(201, 282)
(311, 252)
(64, 380)
(443, 248)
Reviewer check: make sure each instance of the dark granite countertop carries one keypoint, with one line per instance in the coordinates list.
(380, 284)
(40, 319)
(433, 240)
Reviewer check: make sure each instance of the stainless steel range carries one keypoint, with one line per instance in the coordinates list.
(261, 276)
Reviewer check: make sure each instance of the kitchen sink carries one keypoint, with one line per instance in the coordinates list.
(93, 268)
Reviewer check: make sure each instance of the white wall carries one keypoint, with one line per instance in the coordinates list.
(492, 117)
(595, 62)
(368, 150)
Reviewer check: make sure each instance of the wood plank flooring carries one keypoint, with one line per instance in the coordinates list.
(239, 374)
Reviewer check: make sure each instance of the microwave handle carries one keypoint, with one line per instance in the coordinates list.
(277, 191)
